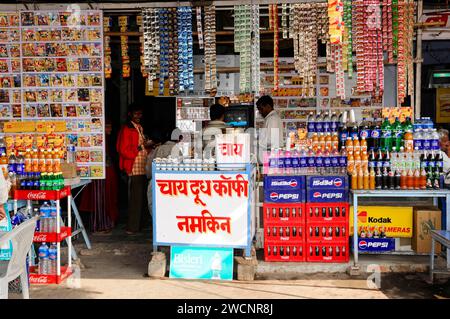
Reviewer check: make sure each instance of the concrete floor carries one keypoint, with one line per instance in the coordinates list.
(116, 267)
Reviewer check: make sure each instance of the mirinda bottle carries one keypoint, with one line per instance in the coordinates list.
(366, 179)
(335, 142)
(42, 164)
(356, 145)
(360, 179)
(34, 161)
(350, 164)
(56, 161)
(354, 179)
(322, 142)
(49, 161)
(328, 142)
(315, 142)
(28, 162)
(349, 145)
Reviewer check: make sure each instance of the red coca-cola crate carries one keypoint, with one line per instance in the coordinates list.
(37, 279)
(327, 212)
(287, 213)
(282, 232)
(329, 252)
(52, 237)
(284, 251)
(22, 194)
(326, 232)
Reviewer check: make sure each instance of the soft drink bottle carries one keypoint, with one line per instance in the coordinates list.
(423, 179)
(356, 145)
(364, 129)
(364, 161)
(385, 178)
(358, 162)
(343, 130)
(335, 166)
(417, 179)
(410, 179)
(407, 125)
(328, 142)
(363, 144)
(360, 179)
(34, 161)
(322, 142)
(326, 162)
(403, 180)
(418, 139)
(379, 179)
(397, 134)
(56, 161)
(315, 142)
(295, 162)
(350, 163)
(372, 179)
(391, 179)
(398, 177)
(287, 163)
(20, 164)
(434, 140)
(28, 162)
(343, 161)
(327, 123)
(303, 167)
(349, 145)
(408, 141)
(42, 164)
(311, 124)
(43, 259)
(311, 161)
(375, 135)
(52, 258)
(334, 122)
(366, 179)
(335, 141)
(49, 161)
(319, 123)
(354, 179)
(386, 135)
(319, 162)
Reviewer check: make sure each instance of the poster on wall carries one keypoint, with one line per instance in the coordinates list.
(208, 210)
(443, 105)
(51, 69)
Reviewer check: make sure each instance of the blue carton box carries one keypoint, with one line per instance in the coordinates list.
(284, 196)
(327, 182)
(327, 195)
(276, 183)
(375, 244)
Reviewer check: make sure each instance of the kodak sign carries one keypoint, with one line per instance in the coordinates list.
(392, 221)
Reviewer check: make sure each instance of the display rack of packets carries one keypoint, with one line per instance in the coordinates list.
(187, 164)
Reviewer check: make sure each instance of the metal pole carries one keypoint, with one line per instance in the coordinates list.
(355, 229)
(419, 60)
(69, 224)
(447, 221)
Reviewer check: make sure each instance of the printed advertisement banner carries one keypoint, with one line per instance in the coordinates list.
(201, 263)
(201, 209)
(387, 220)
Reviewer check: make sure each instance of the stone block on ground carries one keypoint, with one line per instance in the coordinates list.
(157, 265)
(246, 268)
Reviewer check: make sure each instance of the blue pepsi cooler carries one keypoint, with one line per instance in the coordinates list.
(284, 189)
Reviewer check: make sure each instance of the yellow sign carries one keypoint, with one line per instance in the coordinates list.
(443, 105)
(393, 221)
(401, 112)
(19, 127)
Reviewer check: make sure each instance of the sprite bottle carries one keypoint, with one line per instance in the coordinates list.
(386, 135)
(43, 182)
(397, 138)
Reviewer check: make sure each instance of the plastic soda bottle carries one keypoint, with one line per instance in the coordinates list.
(354, 179)
(350, 163)
(349, 145)
(417, 179)
(322, 142)
(360, 179)
(56, 161)
(42, 164)
(403, 178)
(335, 141)
(328, 142)
(358, 162)
(372, 179)
(356, 145)
(423, 179)
(35, 161)
(315, 142)
(366, 179)
(386, 135)
(364, 161)
(28, 163)
(363, 144)
(49, 161)
(410, 179)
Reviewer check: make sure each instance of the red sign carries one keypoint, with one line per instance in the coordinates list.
(231, 149)
(52, 237)
(41, 195)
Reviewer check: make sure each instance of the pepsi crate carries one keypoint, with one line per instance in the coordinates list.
(280, 183)
(286, 213)
(285, 196)
(327, 212)
(327, 182)
(329, 252)
(282, 251)
(375, 244)
(321, 232)
(327, 195)
(282, 232)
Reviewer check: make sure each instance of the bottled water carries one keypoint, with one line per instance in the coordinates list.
(52, 257)
(319, 123)
(435, 140)
(44, 217)
(43, 260)
(427, 136)
(52, 218)
(418, 139)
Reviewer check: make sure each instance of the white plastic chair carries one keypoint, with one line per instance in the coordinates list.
(22, 239)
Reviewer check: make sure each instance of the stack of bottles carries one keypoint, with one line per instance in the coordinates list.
(34, 170)
(47, 259)
(47, 218)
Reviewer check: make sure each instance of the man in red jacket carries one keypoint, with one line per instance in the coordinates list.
(132, 156)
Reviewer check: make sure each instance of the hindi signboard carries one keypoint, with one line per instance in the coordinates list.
(208, 209)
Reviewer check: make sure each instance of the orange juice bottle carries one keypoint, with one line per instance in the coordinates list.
(335, 141)
(354, 179)
(356, 145)
(328, 142)
(49, 161)
(349, 145)
(372, 179)
(322, 142)
(363, 145)
(360, 179)
(42, 156)
(358, 162)
(408, 141)
(417, 179)
(365, 161)
(350, 164)
(366, 179)
(56, 161)
(315, 142)
(34, 161)
(28, 164)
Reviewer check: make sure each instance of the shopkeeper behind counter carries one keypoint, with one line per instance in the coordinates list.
(272, 136)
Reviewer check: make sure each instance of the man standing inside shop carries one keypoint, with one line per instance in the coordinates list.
(272, 135)
(131, 145)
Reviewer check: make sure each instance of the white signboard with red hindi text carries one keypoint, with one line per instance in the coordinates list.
(201, 209)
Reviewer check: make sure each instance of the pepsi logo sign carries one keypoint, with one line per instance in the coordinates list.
(337, 182)
(274, 196)
(362, 244)
(317, 195)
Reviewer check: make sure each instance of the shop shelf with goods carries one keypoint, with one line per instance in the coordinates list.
(49, 270)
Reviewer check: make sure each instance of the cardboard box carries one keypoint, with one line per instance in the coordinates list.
(424, 220)
(69, 170)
